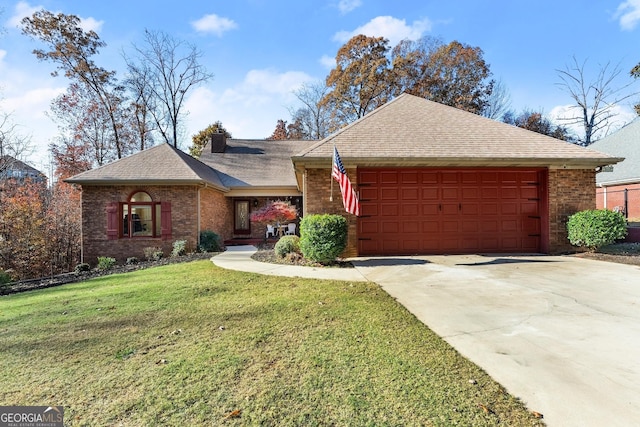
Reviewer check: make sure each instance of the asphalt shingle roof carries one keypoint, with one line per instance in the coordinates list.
(623, 143)
(255, 163)
(162, 164)
(413, 130)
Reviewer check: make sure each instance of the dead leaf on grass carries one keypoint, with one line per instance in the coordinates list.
(486, 409)
(233, 414)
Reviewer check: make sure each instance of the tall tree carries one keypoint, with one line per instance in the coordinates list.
(280, 133)
(168, 69)
(360, 82)
(142, 104)
(498, 103)
(201, 139)
(85, 123)
(537, 122)
(454, 74)
(313, 120)
(71, 48)
(595, 98)
(635, 73)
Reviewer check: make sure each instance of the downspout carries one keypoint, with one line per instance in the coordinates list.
(198, 215)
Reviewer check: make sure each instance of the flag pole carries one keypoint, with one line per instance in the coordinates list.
(331, 174)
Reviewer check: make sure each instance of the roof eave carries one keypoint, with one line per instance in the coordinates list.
(105, 182)
(568, 162)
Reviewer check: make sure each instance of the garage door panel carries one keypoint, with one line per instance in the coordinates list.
(430, 194)
(368, 227)
(430, 227)
(367, 177)
(411, 211)
(388, 177)
(389, 193)
(410, 193)
(409, 177)
(450, 193)
(489, 193)
(368, 193)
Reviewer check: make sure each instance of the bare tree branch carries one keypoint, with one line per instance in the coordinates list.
(595, 100)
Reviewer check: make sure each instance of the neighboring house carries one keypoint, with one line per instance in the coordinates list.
(14, 169)
(431, 179)
(619, 188)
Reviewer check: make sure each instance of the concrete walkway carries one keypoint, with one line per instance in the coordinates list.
(561, 333)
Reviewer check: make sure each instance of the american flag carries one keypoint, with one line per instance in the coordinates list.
(349, 197)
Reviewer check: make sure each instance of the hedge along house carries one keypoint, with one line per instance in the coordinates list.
(433, 179)
(160, 195)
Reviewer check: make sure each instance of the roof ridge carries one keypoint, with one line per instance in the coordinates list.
(350, 125)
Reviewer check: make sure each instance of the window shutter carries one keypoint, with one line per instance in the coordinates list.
(165, 220)
(112, 221)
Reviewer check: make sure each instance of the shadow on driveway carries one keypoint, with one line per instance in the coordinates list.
(387, 262)
(498, 261)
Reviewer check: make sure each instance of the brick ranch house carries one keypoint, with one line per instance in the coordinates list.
(431, 179)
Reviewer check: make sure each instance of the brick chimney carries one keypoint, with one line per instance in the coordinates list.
(218, 142)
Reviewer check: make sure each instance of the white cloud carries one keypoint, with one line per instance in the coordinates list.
(21, 10)
(389, 27)
(570, 116)
(91, 24)
(249, 109)
(346, 6)
(213, 24)
(629, 14)
(327, 61)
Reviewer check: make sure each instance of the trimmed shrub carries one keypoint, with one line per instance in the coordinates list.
(153, 253)
(105, 262)
(179, 248)
(209, 242)
(595, 228)
(287, 245)
(5, 278)
(82, 267)
(132, 260)
(323, 237)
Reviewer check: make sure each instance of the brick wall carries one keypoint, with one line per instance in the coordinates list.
(317, 187)
(613, 196)
(184, 220)
(216, 213)
(570, 191)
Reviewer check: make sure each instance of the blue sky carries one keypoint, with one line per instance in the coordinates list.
(261, 50)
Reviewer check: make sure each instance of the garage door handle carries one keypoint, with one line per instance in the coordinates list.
(459, 206)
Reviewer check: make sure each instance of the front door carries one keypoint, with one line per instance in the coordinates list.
(242, 223)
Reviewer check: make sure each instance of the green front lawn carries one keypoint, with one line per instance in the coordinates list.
(192, 344)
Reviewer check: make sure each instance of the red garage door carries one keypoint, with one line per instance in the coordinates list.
(436, 211)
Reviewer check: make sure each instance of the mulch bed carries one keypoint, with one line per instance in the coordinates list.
(63, 279)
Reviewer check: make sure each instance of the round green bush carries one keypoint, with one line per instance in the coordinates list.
(595, 228)
(209, 242)
(323, 237)
(287, 245)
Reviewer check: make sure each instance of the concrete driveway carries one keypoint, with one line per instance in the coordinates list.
(561, 333)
